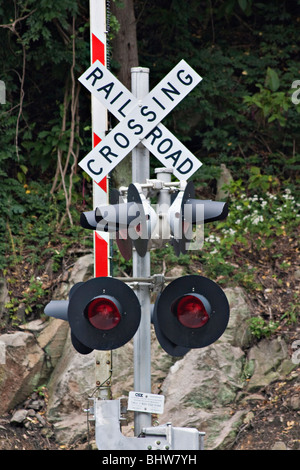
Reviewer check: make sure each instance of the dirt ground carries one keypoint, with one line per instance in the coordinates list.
(272, 424)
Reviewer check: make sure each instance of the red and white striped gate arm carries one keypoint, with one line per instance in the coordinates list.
(99, 128)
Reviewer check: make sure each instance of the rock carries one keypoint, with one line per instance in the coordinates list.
(279, 445)
(34, 326)
(253, 399)
(21, 372)
(297, 274)
(71, 383)
(47, 432)
(223, 431)
(4, 297)
(36, 405)
(27, 359)
(19, 417)
(72, 380)
(82, 271)
(176, 271)
(293, 402)
(52, 340)
(225, 178)
(2, 353)
(70, 427)
(237, 332)
(21, 313)
(200, 388)
(249, 417)
(41, 419)
(69, 387)
(268, 361)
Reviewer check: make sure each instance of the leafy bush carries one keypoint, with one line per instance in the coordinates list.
(261, 329)
(255, 223)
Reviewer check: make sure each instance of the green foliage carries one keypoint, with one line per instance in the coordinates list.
(248, 56)
(262, 329)
(257, 218)
(41, 391)
(272, 104)
(241, 114)
(34, 295)
(36, 123)
(164, 259)
(30, 218)
(292, 312)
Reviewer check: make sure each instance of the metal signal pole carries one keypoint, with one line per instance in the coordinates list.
(141, 268)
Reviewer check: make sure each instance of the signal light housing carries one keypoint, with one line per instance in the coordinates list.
(104, 314)
(111, 218)
(191, 312)
(141, 232)
(125, 303)
(180, 228)
(186, 212)
(168, 346)
(122, 239)
(134, 219)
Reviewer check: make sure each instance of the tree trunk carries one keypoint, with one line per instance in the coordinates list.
(125, 50)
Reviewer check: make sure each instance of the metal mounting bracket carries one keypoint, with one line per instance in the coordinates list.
(108, 420)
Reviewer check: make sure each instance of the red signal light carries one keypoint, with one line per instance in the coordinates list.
(191, 312)
(103, 313)
(98, 314)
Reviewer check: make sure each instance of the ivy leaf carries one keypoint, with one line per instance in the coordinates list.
(243, 4)
(17, 209)
(272, 80)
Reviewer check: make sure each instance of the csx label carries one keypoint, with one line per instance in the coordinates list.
(146, 402)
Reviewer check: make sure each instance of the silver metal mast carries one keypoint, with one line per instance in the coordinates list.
(141, 268)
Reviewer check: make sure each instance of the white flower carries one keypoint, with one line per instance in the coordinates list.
(229, 231)
(257, 219)
(213, 239)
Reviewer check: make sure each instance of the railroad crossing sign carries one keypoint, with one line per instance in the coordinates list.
(140, 121)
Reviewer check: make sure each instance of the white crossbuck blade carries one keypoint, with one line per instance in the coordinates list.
(140, 121)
